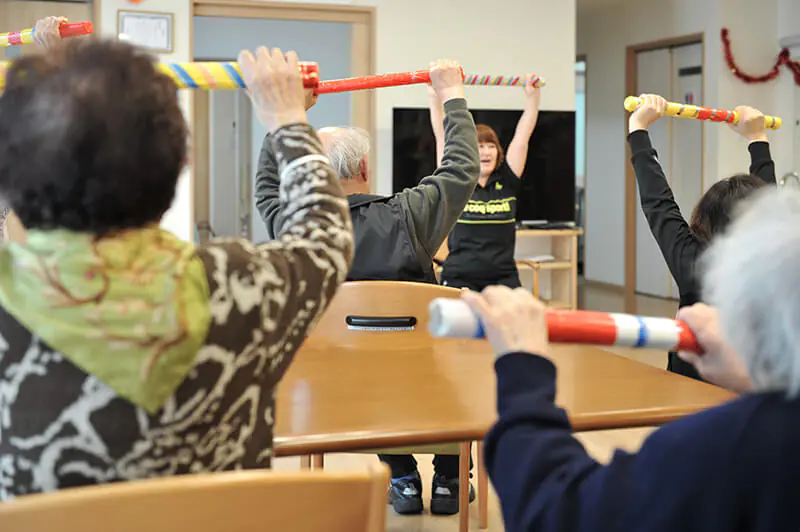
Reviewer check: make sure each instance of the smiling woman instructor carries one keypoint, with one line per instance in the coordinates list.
(481, 245)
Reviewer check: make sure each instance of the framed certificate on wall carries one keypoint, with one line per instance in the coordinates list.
(152, 31)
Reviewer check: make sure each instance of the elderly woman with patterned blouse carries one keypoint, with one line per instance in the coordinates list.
(126, 353)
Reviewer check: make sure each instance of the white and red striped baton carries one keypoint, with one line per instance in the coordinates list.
(452, 318)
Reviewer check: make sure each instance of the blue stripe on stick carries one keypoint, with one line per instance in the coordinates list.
(234, 74)
(480, 333)
(187, 79)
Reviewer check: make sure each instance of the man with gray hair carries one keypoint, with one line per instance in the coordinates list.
(738, 465)
(396, 238)
(419, 217)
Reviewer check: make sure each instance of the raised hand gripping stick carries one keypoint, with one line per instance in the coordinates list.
(69, 29)
(699, 112)
(452, 318)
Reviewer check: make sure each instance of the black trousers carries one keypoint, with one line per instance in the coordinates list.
(403, 465)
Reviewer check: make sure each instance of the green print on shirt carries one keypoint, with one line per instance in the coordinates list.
(489, 207)
(131, 309)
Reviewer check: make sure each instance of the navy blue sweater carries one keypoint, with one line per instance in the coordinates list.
(739, 466)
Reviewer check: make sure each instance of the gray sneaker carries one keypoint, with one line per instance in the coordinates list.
(405, 494)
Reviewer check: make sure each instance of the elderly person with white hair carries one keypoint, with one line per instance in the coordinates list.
(397, 237)
(739, 462)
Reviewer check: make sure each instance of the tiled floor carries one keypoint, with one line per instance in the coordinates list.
(601, 445)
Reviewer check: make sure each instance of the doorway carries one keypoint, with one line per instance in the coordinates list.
(228, 135)
(673, 69)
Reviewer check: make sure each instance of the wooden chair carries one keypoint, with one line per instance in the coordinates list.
(387, 299)
(240, 501)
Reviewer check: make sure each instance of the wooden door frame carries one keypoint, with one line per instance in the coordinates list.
(582, 222)
(631, 200)
(363, 113)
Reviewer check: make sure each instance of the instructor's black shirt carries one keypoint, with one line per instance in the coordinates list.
(481, 244)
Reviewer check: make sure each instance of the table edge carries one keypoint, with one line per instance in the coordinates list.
(360, 441)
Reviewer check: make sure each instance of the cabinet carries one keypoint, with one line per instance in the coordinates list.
(554, 281)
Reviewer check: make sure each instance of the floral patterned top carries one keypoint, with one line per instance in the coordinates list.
(62, 426)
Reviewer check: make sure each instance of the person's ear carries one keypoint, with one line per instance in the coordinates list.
(364, 169)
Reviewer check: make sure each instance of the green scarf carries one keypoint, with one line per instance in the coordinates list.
(131, 309)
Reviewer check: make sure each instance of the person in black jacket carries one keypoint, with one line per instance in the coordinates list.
(396, 238)
(739, 462)
(682, 242)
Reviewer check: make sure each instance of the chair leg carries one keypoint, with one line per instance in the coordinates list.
(463, 487)
(318, 461)
(305, 461)
(536, 282)
(483, 490)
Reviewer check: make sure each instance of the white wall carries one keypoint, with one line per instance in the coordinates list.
(603, 36)
(501, 37)
(179, 218)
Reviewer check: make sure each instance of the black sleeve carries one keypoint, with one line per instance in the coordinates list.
(678, 245)
(547, 482)
(508, 178)
(761, 163)
(436, 203)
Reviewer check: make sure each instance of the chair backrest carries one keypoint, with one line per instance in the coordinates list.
(372, 312)
(241, 501)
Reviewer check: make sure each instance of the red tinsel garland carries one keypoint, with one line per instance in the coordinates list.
(784, 59)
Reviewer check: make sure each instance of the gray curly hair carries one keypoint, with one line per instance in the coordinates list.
(752, 276)
(349, 147)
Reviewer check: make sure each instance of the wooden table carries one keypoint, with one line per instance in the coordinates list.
(339, 400)
(418, 392)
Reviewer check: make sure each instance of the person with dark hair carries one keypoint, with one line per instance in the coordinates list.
(126, 353)
(45, 34)
(481, 245)
(682, 243)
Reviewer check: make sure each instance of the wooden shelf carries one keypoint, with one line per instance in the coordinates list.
(550, 232)
(555, 265)
(546, 265)
(563, 280)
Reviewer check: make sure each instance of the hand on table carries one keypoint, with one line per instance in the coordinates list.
(719, 363)
(514, 320)
(46, 32)
(275, 86)
(651, 108)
